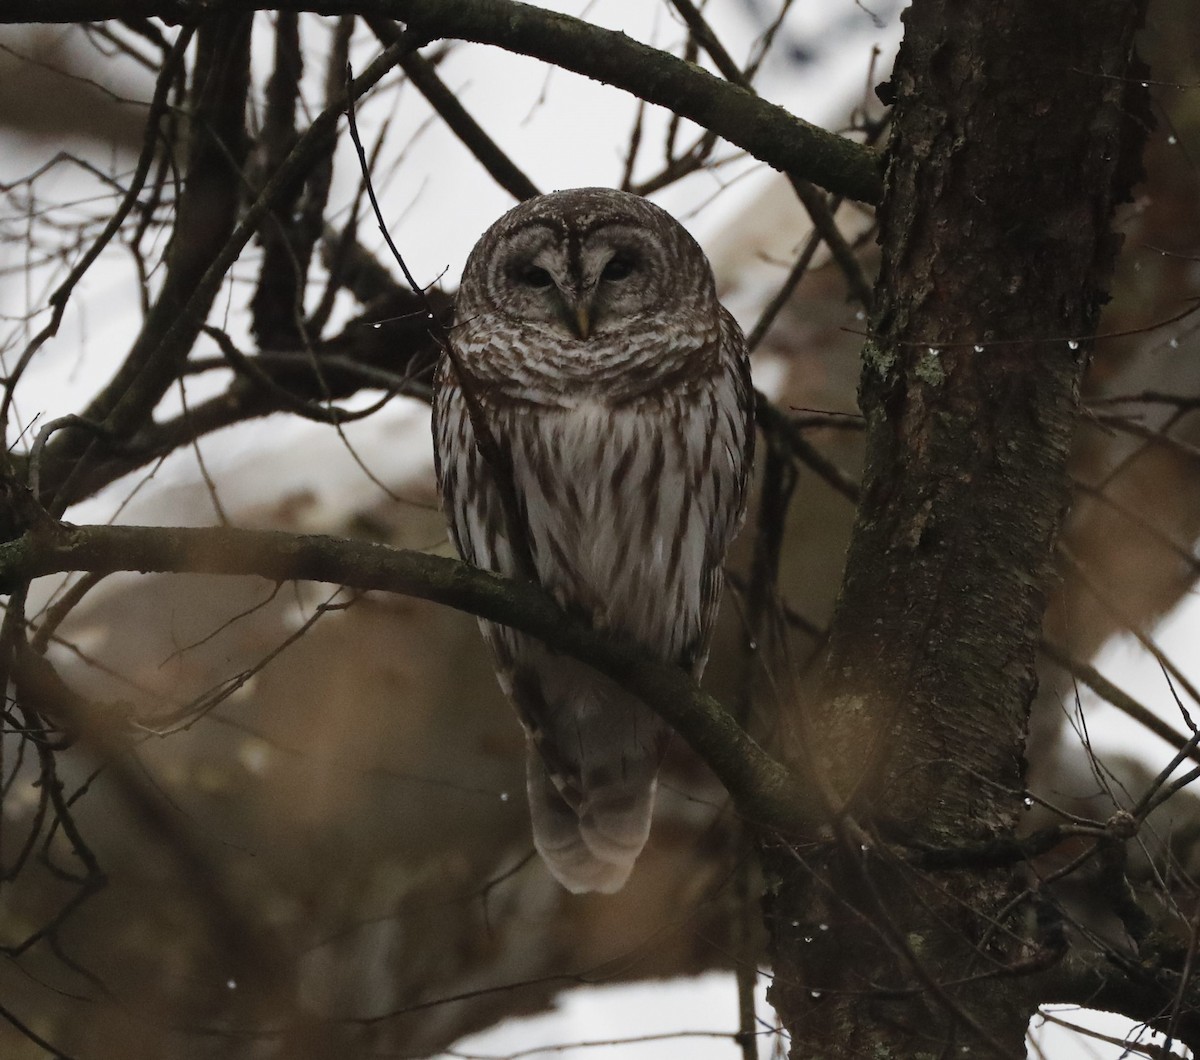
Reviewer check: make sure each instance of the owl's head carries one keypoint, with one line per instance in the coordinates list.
(584, 264)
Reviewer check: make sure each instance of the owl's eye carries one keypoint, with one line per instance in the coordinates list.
(619, 267)
(534, 276)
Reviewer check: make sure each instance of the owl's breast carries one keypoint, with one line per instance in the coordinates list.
(616, 517)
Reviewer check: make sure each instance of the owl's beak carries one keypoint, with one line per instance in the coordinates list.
(583, 320)
(576, 303)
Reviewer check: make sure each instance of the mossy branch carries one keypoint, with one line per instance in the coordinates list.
(763, 790)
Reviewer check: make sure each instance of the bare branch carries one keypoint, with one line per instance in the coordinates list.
(128, 395)
(767, 131)
(425, 80)
(763, 790)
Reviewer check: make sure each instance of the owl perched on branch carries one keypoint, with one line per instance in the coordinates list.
(593, 429)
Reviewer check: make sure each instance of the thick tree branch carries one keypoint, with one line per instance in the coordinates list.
(765, 130)
(763, 790)
(768, 132)
(204, 218)
(277, 304)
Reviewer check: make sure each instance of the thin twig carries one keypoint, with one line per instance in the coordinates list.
(494, 455)
(62, 293)
(1114, 696)
(786, 289)
(771, 420)
(309, 410)
(449, 108)
(1111, 606)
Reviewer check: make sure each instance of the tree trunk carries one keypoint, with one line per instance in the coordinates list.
(1017, 129)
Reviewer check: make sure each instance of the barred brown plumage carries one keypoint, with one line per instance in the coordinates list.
(617, 389)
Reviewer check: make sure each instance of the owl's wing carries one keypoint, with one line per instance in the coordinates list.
(470, 502)
(725, 482)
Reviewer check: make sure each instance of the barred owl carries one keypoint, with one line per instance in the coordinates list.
(616, 389)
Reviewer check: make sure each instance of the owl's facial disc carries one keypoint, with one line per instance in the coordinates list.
(535, 271)
(581, 284)
(619, 271)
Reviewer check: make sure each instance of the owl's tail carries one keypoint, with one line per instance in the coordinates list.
(590, 838)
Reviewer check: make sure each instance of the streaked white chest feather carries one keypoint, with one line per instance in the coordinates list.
(616, 524)
(627, 509)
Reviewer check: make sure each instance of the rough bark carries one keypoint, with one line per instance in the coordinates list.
(1017, 130)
